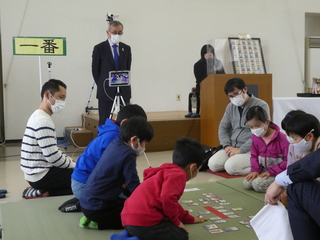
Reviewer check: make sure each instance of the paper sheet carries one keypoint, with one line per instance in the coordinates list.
(272, 222)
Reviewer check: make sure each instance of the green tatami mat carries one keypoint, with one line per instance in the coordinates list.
(40, 219)
(249, 205)
(236, 183)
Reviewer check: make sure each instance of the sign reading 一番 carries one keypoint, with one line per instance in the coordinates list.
(51, 46)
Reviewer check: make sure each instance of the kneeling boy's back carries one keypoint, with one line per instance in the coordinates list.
(153, 210)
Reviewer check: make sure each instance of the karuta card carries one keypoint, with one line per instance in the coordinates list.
(234, 216)
(250, 217)
(238, 209)
(189, 210)
(216, 231)
(204, 212)
(193, 204)
(224, 203)
(187, 201)
(210, 226)
(231, 229)
(218, 207)
(229, 213)
(244, 222)
(208, 202)
(219, 221)
(248, 226)
(214, 218)
(222, 210)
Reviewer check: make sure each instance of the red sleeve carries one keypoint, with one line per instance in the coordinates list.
(172, 190)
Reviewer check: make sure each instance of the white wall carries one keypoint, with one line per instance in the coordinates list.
(165, 36)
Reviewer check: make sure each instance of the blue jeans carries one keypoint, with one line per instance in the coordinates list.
(77, 188)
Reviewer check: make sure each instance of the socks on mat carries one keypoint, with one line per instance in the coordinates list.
(86, 223)
(31, 192)
(72, 205)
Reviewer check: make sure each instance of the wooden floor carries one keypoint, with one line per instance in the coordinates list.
(168, 127)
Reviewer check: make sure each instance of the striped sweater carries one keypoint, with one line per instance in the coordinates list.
(39, 150)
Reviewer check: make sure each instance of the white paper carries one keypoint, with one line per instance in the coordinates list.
(272, 222)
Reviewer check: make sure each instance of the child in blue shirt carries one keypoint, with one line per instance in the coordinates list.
(114, 174)
(91, 155)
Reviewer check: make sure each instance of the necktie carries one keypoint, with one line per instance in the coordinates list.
(116, 56)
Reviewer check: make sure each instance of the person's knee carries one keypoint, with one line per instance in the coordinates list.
(261, 184)
(214, 165)
(247, 184)
(217, 161)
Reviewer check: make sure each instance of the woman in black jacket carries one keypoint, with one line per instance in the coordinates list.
(208, 64)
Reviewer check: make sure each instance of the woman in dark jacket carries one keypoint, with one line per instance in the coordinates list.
(208, 64)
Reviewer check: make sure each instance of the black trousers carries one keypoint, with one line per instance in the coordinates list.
(304, 209)
(109, 217)
(57, 182)
(163, 230)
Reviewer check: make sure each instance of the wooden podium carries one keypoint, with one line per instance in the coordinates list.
(213, 101)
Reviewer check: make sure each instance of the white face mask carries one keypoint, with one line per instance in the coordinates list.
(290, 139)
(58, 106)
(115, 39)
(238, 100)
(303, 145)
(259, 132)
(138, 150)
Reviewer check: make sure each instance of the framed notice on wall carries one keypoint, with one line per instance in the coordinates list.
(247, 56)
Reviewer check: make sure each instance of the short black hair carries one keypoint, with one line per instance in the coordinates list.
(234, 83)
(188, 151)
(256, 112)
(301, 124)
(114, 23)
(53, 86)
(136, 126)
(129, 111)
(289, 115)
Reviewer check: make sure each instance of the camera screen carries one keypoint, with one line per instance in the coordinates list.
(119, 78)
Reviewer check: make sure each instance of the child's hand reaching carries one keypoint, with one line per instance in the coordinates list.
(183, 227)
(199, 219)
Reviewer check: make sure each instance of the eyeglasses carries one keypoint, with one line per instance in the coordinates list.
(116, 33)
(234, 94)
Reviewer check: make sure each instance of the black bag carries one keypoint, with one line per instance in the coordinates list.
(209, 153)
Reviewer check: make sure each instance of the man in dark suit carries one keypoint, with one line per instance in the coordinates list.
(303, 191)
(110, 55)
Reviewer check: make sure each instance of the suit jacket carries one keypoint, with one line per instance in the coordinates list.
(306, 169)
(103, 63)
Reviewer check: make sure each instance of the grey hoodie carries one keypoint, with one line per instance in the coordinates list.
(233, 130)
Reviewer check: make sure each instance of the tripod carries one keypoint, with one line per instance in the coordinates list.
(116, 103)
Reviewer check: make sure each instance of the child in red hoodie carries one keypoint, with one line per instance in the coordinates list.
(153, 210)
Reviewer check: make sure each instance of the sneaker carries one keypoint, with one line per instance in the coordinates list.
(195, 115)
(2, 195)
(188, 115)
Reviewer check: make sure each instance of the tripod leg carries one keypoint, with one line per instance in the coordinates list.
(113, 108)
(122, 101)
